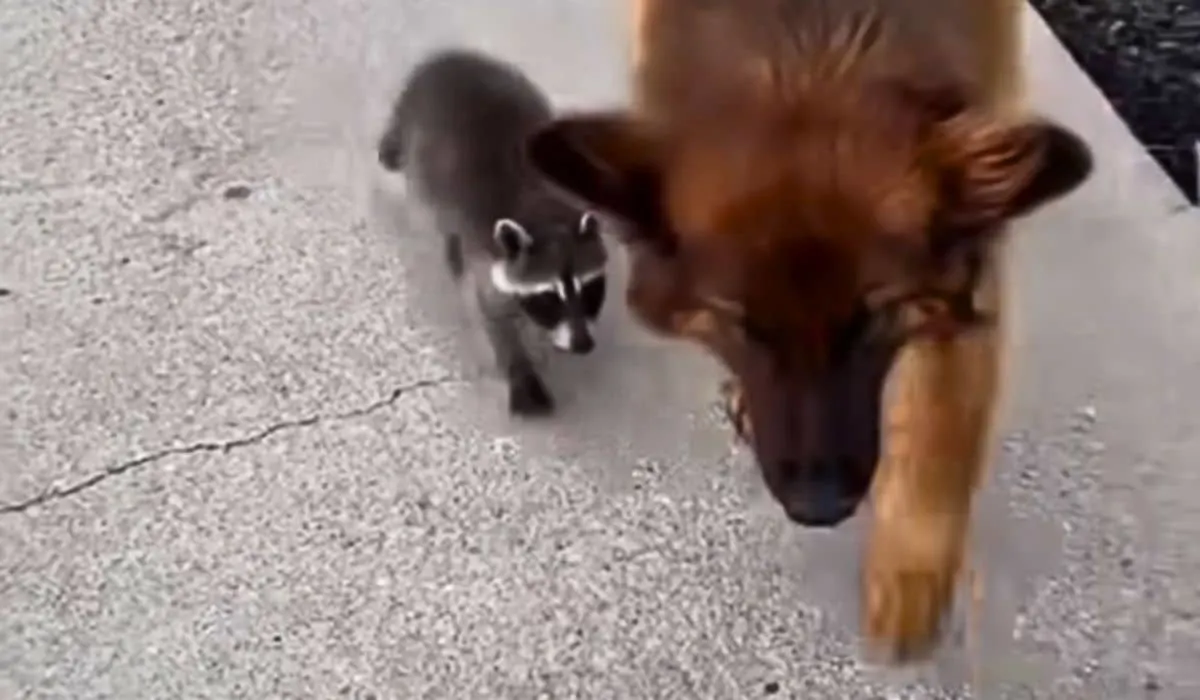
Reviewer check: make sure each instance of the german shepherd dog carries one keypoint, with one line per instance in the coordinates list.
(825, 210)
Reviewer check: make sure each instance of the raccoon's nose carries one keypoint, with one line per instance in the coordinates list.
(582, 343)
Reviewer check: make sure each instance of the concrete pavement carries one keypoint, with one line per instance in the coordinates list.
(242, 453)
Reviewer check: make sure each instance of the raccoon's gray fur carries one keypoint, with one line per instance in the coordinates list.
(458, 133)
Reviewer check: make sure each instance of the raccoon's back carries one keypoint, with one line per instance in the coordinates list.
(462, 120)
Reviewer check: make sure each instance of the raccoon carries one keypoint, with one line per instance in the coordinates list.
(528, 258)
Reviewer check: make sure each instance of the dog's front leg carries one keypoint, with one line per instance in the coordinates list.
(938, 428)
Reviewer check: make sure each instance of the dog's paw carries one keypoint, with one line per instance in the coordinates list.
(528, 396)
(733, 401)
(910, 576)
(905, 612)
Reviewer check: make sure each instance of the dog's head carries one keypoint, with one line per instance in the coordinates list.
(805, 248)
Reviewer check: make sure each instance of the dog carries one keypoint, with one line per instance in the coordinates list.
(818, 193)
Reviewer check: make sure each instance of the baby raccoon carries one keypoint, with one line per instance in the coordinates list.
(528, 257)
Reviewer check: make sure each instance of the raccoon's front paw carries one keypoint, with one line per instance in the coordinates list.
(528, 396)
(734, 404)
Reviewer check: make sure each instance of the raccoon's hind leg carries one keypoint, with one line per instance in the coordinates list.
(454, 254)
(527, 393)
(391, 147)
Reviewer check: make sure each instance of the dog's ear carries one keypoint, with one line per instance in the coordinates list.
(608, 161)
(995, 171)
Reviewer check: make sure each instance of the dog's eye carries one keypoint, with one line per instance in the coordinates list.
(863, 324)
(735, 314)
(756, 332)
(935, 314)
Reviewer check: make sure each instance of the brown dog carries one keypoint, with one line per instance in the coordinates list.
(817, 192)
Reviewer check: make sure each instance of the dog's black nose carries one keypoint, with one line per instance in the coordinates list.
(819, 496)
(830, 514)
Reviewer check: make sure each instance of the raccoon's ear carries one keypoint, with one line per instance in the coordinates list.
(512, 237)
(609, 161)
(589, 225)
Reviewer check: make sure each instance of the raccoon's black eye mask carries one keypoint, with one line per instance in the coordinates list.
(592, 294)
(545, 308)
(551, 307)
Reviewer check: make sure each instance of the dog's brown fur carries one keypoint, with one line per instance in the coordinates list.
(790, 159)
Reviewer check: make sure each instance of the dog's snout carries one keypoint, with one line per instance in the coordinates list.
(820, 493)
(819, 511)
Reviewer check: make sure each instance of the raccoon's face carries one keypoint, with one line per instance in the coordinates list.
(556, 274)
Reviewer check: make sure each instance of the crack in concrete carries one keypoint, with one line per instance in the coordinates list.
(56, 493)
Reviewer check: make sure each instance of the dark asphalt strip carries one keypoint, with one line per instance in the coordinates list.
(1144, 55)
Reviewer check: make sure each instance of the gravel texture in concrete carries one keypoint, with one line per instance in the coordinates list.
(245, 451)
